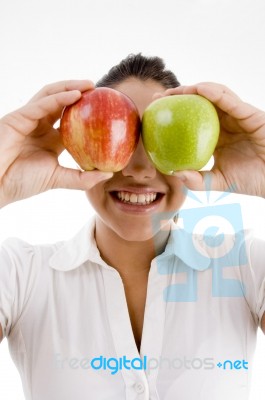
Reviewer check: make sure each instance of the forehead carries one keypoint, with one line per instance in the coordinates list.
(141, 92)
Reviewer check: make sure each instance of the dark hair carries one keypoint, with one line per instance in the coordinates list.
(141, 67)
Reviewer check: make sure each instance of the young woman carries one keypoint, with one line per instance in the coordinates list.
(125, 309)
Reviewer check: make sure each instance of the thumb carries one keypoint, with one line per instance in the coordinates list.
(68, 178)
(201, 180)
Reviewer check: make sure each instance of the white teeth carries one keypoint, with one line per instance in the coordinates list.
(142, 198)
(135, 198)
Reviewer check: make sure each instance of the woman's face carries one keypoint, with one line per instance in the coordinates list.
(133, 203)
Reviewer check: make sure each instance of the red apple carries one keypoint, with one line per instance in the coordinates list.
(101, 130)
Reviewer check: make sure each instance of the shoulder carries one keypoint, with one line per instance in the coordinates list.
(22, 273)
(26, 257)
(19, 253)
(23, 265)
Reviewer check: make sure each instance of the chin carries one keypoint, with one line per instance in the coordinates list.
(133, 236)
(135, 230)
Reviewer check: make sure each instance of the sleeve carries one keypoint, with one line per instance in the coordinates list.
(255, 277)
(17, 275)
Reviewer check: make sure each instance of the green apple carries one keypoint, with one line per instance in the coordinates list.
(180, 132)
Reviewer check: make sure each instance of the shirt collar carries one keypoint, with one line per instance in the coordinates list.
(82, 247)
(74, 252)
(187, 247)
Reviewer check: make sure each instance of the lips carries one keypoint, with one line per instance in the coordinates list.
(136, 199)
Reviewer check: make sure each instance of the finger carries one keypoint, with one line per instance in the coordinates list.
(230, 124)
(220, 95)
(249, 118)
(67, 178)
(157, 96)
(63, 86)
(26, 119)
(203, 180)
(176, 90)
(195, 89)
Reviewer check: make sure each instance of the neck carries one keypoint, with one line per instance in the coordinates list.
(129, 258)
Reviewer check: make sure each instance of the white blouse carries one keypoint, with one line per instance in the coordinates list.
(64, 312)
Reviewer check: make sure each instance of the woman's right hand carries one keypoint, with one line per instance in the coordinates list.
(30, 146)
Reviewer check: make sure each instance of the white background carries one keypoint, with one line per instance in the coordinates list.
(46, 41)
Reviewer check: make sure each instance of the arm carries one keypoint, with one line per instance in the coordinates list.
(239, 157)
(29, 151)
(30, 146)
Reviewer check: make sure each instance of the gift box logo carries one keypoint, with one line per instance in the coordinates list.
(210, 237)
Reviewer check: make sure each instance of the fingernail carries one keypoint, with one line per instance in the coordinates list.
(180, 175)
(105, 175)
(157, 96)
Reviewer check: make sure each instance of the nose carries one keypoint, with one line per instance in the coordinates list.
(139, 166)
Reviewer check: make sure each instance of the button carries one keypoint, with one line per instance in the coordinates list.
(139, 387)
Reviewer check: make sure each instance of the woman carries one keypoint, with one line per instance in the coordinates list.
(100, 315)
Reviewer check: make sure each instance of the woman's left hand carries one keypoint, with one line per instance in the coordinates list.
(239, 157)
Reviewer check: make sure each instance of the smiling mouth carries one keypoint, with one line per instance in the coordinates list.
(137, 198)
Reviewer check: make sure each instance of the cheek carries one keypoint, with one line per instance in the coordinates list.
(177, 193)
(96, 197)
